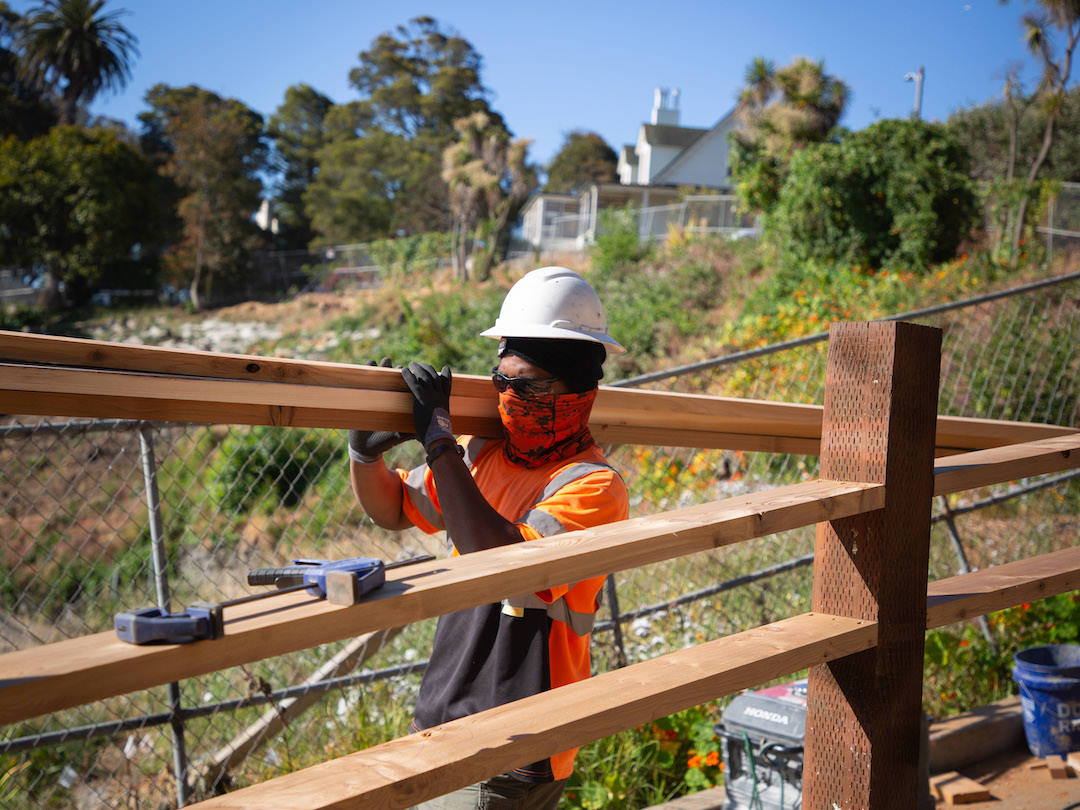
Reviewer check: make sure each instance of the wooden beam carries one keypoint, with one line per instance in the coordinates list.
(999, 464)
(81, 670)
(620, 415)
(950, 600)
(105, 407)
(954, 788)
(863, 712)
(422, 766)
(966, 596)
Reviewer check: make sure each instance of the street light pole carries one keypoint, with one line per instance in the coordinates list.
(918, 79)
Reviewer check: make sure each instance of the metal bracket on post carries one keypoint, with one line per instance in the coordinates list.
(161, 583)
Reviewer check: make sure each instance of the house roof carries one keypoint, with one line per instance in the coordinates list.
(629, 155)
(688, 153)
(666, 135)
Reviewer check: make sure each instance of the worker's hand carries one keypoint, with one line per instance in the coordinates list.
(431, 402)
(366, 446)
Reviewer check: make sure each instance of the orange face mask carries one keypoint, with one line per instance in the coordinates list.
(545, 427)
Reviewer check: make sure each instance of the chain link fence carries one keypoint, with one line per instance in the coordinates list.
(100, 517)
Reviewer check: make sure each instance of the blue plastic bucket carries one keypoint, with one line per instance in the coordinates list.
(1049, 680)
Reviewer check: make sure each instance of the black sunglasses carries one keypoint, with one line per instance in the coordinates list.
(522, 386)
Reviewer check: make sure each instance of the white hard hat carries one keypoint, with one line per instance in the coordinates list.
(553, 302)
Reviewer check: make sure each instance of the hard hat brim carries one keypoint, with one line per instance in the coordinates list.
(553, 332)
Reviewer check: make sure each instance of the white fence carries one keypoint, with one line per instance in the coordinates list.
(714, 213)
(1062, 227)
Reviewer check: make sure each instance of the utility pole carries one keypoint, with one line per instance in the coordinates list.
(918, 79)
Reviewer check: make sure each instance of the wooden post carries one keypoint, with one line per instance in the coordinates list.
(864, 711)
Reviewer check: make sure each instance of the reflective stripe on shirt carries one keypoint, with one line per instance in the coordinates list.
(547, 525)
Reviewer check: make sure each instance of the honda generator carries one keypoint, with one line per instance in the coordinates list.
(761, 737)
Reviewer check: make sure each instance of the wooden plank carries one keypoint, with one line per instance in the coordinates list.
(1073, 759)
(102, 354)
(617, 406)
(976, 735)
(632, 417)
(864, 712)
(81, 670)
(958, 433)
(636, 416)
(241, 414)
(1057, 767)
(767, 426)
(953, 788)
(422, 766)
(966, 596)
(996, 465)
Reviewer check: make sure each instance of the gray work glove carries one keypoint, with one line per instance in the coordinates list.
(431, 402)
(366, 446)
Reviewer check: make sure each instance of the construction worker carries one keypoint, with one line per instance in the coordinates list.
(544, 476)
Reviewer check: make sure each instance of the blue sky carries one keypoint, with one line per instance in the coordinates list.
(560, 65)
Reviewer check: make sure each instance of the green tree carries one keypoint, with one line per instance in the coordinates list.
(298, 130)
(584, 157)
(379, 172)
(76, 46)
(213, 149)
(1063, 15)
(897, 192)
(782, 111)
(352, 197)
(489, 177)
(1005, 135)
(25, 111)
(78, 205)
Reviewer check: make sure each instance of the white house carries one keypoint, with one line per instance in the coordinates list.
(665, 158)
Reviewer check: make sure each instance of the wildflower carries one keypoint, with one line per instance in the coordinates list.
(713, 759)
(694, 762)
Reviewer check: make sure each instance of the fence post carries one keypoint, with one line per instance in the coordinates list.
(612, 591)
(962, 565)
(161, 582)
(864, 712)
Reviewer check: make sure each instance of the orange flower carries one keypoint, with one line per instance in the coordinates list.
(713, 759)
(694, 762)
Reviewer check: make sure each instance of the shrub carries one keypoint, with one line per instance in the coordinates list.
(617, 248)
(962, 670)
(254, 464)
(895, 193)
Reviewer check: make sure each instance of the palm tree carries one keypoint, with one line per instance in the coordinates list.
(488, 176)
(781, 111)
(759, 84)
(77, 43)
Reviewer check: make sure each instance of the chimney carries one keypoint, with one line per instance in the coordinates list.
(665, 107)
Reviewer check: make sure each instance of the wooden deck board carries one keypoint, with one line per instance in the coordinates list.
(421, 766)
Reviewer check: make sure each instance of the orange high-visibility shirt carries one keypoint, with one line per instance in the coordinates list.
(493, 654)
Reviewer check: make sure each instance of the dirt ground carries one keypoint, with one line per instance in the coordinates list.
(1015, 785)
